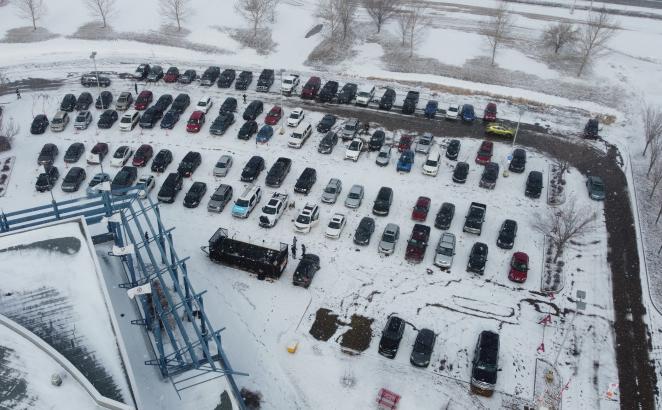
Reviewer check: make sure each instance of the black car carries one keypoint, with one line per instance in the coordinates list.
(423, 346)
(244, 80)
(47, 179)
(305, 271)
(253, 168)
(411, 100)
(170, 188)
(181, 103)
(161, 161)
(328, 92)
(68, 103)
(195, 194)
(189, 164)
(391, 337)
(210, 76)
(453, 149)
(104, 100)
(74, 152)
(253, 110)
(155, 73)
(306, 181)
(376, 140)
(124, 179)
(592, 128)
(265, 80)
(73, 179)
(460, 173)
(278, 172)
(518, 163)
(229, 105)
(188, 77)
(150, 117)
(444, 216)
(507, 234)
(383, 201)
(477, 258)
(141, 72)
(47, 154)
(221, 123)
(170, 119)
(533, 184)
(227, 77)
(347, 93)
(163, 102)
(247, 130)
(387, 100)
(364, 231)
(107, 119)
(326, 123)
(39, 124)
(485, 363)
(327, 143)
(490, 175)
(84, 101)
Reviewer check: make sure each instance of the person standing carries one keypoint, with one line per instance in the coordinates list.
(135, 87)
(244, 96)
(146, 236)
(294, 251)
(303, 250)
(18, 94)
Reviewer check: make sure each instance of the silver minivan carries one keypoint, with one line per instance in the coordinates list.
(350, 129)
(220, 198)
(354, 197)
(445, 250)
(389, 239)
(60, 121)
(332, 190)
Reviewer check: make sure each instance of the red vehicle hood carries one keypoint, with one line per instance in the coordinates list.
(517, 275)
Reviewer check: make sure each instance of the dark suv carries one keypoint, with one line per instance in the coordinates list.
(391, 337)
(84, 101)
(453, 149)
(181, 103)
(383, 201)
(189, 164)
(123, 180)
(221, 123)
(171, 186)
(210, 76)
(533, 184)
(485, 364)
(244, 80)
(253, 110)
(226, 78)
(229, 105)
(104, 100)
(68, 103)
(423, 346)
(253, 168)
(507, 234)
(444, 216)
(411, 100)
(306, 181)
(477, 258)
(328, 92)
(386, 102)
(305, 271)
(347, 93)
(46, 180)
(161, 161)
(518, 163)
(47, 154)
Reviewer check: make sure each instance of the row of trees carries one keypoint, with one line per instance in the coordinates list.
(652, 119)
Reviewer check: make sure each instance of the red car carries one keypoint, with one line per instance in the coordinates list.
(519, 266)
(484, 154)
(421, 209)
(417, 243)
(274, 115)
(196, 121)
(312, 87)
(142, 156)
(144, 100)
(490, 113)
(405, 143)
(172, 75)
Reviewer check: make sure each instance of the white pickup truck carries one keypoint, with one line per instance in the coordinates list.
(273, 210)
(289, 84)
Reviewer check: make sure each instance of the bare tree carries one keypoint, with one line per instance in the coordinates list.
(559, 35)
(564, 224)
(101, 9)
(594, 36)
(498, 26)
(656, 150)
(404, 21)
(7, 133)
(652, 117)
(175, 11)
(656, 177)
(339, 16)
(380, 11)
(412, 24)
(255, 12)
(328, 13)
(32, 10)
(346, 16)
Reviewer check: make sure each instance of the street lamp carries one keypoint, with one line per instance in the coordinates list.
(519, 119)
(282, 108)
(96, 74)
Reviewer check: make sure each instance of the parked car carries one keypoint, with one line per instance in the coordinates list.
(121, 156)
(124, 101)
(144, 100)
(247, 202)
(223, 166)
(452, 112)
(181, 103)
(444, 216)
(354, 197)
(47, 179)
(596, 188)
(445, 251)
(328, 92)
(507, 234)
(406, 161)
(377, 140)
(347, 93)
(410, 103)
(170, 119)
(161, 161)
(365, 94)
(83, 120)
(421, 209)
(189, 163)
(84, 101)
(195, 194)
(387, 100)
(389, 239)
(150, 117)
(253, 110)
(383, 201)
(129, 120)
(47, 154)
(296, 116)
(331, 191)
(68, 103)
(265, 134)
(278, 172)
(143, 155)
(229, 105)
(490, 113)
(73, 179)
(253, 168)
(107, 119)
(592, 129)
(484, 154)
(490, 175)
(518, 161)
(417, 243)
(95, 183)
(453, 149)
(60, 121)
(39, 124)
(467, 113)
(221, 123)
(123, 180)
(188, 77)
(405, 142)
(350, 129)
(299, 136)
(424, 143)
(423, 346)
(274, 115)
(172, 75)
(226, 78)
(327, 143)
(533, 184)
(335, 226)
(354, 149)
(244, 80)
(432, 163)
(265, 80)
(220, 198)
(74, 152)
(485, 363)
(383, 156)
(209, 76)
(477, 258)
(392, 334)
(155, 74)
(326, 123)
(170, 188)
(364, 231)
(94, 79)
(306, 181)
(519, 267)
(460, 172)
(311, 88)
(431, 109)
(204, 104)
(146, 183)
(163, 102)
(307, 218)
(141, 72)
(305, 271)
(195, 121)
(97, 153)
(499, 130)
(104, 100)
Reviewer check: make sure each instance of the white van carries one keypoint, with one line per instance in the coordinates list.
(245, 204)
(431, 165)
(365, 94)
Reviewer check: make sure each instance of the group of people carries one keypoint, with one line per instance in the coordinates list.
(294, 248)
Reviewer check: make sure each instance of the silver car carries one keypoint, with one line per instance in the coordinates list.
(83, 119)
(220, 198)
(60, 121)
(424, 143)
(350, 128)
(354, 197)
(445, 250)
(332, 190)
(384, 156)
(389, 239)
(222, 166)
(95, 183)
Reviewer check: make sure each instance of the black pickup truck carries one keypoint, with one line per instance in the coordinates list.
(475, 218)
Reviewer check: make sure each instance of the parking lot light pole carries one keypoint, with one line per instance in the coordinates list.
(282, 108)
(519, 119)
(96, 74)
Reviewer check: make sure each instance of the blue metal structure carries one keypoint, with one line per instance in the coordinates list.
(173, 313)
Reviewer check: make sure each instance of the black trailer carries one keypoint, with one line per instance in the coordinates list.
(265, 262)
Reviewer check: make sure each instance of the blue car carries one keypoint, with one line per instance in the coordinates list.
(265, 134)
(467, 114)
(431, 109)
(406, 161)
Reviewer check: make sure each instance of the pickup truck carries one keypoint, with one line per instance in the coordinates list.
(265, 81)
(417, 243)
(473, 222)
(94, 79)
(289, 84)
(273, 210)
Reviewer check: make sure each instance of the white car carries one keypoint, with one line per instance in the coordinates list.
(296, 116)
(148, 181)
(298, 137)
(452, 112)
(129, 120)
(432, 162)
(204, 104)
(354, 149)
(335, 227)
(121, 156)
(308, 217)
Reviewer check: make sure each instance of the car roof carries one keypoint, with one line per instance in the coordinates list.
(356, 187)
(197, 115)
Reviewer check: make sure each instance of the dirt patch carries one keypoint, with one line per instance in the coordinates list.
(27, 35)
(358, 337)
(325, 325)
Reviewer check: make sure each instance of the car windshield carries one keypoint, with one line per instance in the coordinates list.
(363, 94)
(119, 153)
(81, 118)
(57, 120)
(354, 146)
(125, 119)
(220, 164)
(420, 208)
(242, 203)
(431, 163)
(334, 225)
(287, 81)
(303, 219)
(269, 210)
(484, 151)
(297, 135)
(382, 154)
(202, 103)
(519, 265)
(598, 186)
(354, 195)
(349, 127)
(193, 121)
(424, 141)
(330, 190)
(217, 197)
(442, 250)
(388, 237)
